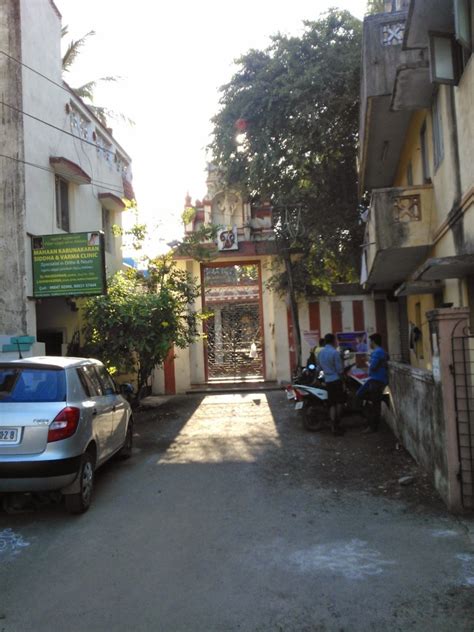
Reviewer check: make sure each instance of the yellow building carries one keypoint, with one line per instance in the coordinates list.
(415, 162)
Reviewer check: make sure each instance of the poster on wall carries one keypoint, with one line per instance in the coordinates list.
(353, 341)
(357, 344)
(68, 264)
(311, 337)
(227, 239)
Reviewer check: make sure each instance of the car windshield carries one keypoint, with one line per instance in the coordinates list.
(32, 385)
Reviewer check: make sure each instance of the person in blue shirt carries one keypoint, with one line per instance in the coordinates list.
(330, 361)
(373, 389)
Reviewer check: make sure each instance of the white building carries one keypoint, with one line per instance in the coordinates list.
(61, 172)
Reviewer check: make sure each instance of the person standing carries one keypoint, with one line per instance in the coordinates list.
(330, 362)
(372, 391)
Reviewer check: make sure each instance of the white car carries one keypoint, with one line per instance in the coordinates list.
(60, 419)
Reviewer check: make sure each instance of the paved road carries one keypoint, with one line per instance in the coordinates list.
(230, 518)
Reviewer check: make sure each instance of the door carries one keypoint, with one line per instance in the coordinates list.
(119, 408)
(102, 410)
(53, 342)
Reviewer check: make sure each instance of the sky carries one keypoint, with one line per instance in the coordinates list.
(172, 58)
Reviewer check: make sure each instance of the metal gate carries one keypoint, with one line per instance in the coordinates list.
(234, 345)
(463, 372)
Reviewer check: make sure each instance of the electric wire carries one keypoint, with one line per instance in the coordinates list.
(112, 187)
(59, 129)
(63, 87)
(68, 91)
(37, 72)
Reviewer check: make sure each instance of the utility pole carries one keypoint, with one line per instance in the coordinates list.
(293, 306)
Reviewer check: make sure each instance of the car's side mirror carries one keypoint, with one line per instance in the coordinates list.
(126, 389)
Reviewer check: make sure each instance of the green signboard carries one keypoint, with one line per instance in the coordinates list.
(68, 264)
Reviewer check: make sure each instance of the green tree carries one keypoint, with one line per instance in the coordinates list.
(133, 327)
(287, 132)
(86, 90)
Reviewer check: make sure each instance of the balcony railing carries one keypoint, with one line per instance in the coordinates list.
(398, 233)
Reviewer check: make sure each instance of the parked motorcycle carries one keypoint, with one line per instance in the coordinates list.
(309, 392)
(311, 397)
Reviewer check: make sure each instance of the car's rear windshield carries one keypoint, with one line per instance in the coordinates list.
(32, 385)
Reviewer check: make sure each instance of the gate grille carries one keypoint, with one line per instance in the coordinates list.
(234, 349)
(232, 296)
(463, 372)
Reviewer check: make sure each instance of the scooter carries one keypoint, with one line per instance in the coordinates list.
(311, 398)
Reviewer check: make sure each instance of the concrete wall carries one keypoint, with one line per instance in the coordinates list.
(417, 419)
(464, 96)
(31, 31)
(12, 179)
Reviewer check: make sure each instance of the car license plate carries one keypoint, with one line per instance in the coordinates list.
(290, 393)
(9, 435)
(299, 405)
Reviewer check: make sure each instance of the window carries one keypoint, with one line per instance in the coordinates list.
(86, 382)
(438, 144)
(91, 379)
(107, 228)
(62, 203)
(425, 162)
(108, 385)
(464, 31)
(463, 19)
(32, 385)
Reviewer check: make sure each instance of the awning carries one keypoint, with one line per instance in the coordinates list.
(410, 288)
(69, 170)
(425, 16)
(438, 268)
(111, 202)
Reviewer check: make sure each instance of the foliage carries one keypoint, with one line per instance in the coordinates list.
(188, 215)
(375, 6)
(287, 130)
(200, 244)
(73, 48)
(134, 326)
(86, 90)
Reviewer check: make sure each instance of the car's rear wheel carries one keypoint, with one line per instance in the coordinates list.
(126, 450)
(80, 502)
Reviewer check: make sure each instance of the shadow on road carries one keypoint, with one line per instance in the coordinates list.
(155, 431)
